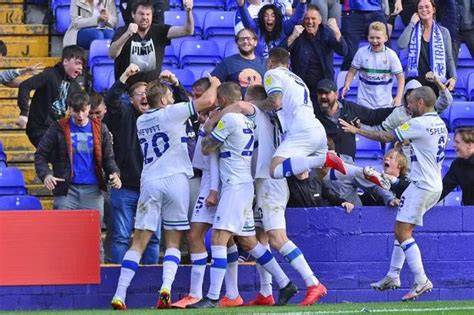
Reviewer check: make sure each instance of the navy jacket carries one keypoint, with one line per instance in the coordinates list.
(324, 44)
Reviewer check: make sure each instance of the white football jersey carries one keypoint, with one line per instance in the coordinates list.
(428, 136)
(265, 144)
(236, 132)
(163, 139)
(297, 109)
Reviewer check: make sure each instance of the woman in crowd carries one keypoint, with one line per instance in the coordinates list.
(90, 20)
(270, 27)
(429, 47)
(461, 172)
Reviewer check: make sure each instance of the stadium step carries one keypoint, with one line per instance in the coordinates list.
(11, 13)
(29, 174)
(11, 1)
(38, 190)
(8, 109)
(47, 202)
(13, 62)
(25, 40)
(6, 92)
(15, 140)
(14, 155)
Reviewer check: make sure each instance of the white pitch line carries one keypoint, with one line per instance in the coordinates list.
(368, 310)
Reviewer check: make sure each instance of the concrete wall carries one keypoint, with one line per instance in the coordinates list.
(347, 253)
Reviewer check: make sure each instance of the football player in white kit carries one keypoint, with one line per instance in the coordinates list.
(164, 191)
(427, 135)
(269, 213)
(234, 138)
(203, 218)
(305, 145)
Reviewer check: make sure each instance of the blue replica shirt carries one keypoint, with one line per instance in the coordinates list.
(361, 5)
(242, 71)
(83, 161)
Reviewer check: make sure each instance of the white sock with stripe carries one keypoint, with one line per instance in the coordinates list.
(218, 267)
(127, 272)
(265, 258)
(413, 255)
(198, 270)
(296, 259)
(170, 266)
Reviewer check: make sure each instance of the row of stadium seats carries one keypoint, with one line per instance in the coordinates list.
(13, 193)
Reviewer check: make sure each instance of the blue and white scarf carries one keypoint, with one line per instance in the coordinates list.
(438, 54)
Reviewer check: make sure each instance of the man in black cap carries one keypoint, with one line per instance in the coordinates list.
(331, 109)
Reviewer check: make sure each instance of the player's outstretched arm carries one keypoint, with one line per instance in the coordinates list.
(382, 136)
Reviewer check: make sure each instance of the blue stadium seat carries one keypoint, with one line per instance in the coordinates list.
(397, 29)
(176, 42)
(454, 198)
(178, 18)
(444, 170)
(99, 53)
(3, 156)
(470, 87)
(449, 150)
(351, 95)
(20, 202)
(460, 90)
(209, 4)
(176, 5)
(464, 58)
(461, 115)
(221, 42)
(63, 18)
(219, 23)
(120, 21)
(101, 77)
(198, 55)
(230, 5)
(445, 116)
(230, 49)
(11, 182)
(369, 149)
(170, 58)
(186, 77)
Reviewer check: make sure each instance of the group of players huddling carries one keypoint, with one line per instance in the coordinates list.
(244, 150)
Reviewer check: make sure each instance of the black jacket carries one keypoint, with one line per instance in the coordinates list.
(121, 118)
(57, 143)
(345, 142)
(310, 192)
(460, 173)
(46, 86)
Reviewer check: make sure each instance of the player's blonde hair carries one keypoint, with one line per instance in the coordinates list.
(378, 26)
(155, 90)
(401, 159)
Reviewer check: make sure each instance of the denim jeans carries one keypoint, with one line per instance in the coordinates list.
(85, 36)
(354, 25)
(124, 207)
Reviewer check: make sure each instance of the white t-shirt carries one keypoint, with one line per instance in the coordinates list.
(297, 109)
(376, 71)
(163, 139)
(428, 137)
(236, 132)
